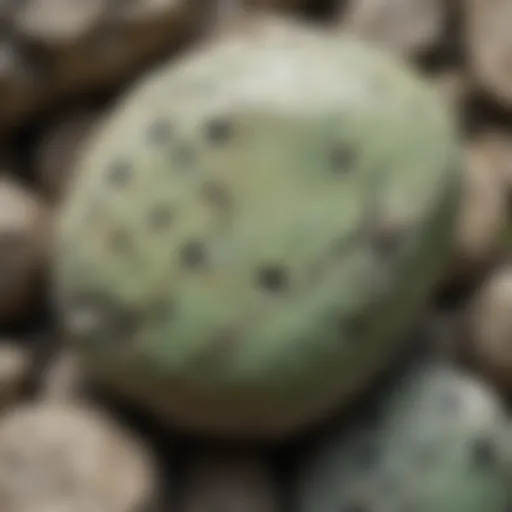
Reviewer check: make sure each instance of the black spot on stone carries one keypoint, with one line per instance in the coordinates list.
(119, 173)
(193, 254)
(160, 217)
(483, 452)
(273, 278)
(216, 194)
(120, 241)
(218, 131)
(342, 159)
(160, 131)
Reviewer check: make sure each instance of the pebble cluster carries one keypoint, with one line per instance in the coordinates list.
(429, 430)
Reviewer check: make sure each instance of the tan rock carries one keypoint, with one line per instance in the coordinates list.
(488, 328)
(483, 213)
(488, 41)
(56, 49)
(260, 25)
(403, 26)
(63, 457)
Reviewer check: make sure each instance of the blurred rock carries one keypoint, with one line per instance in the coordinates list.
(59, 48)
(241, 483)
(24, 244)
(59, 147)
(488, 328)
(15, 365)
(483, 213)
(259, 25)
(498, 145)
(488, 41)
(407, 27)
(71, 458)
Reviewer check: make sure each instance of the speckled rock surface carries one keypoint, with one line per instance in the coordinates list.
(301, 232)
(437, 441)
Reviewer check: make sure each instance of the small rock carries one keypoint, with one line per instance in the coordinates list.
(15, 365)
(407, 27)
(24, 237)
(433, 438)
(59, 21)
(483, 213)
(225, 482)
(260, 25)
(52, 49)
(488, 327)
(498, 145)
(489, 46)
(59, 147)
(56, 457)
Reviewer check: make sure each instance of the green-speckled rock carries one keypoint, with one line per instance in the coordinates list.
(254, 229)
(437, 441)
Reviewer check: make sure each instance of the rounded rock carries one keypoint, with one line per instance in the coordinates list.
(488, 328)
(306, 204)
(483, 213)
(57, 49)
(69, 457)
(489, 46)
(436, 440)
(407, 27)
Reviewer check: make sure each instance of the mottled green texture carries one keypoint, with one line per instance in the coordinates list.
(437, 441)
(254, 229)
